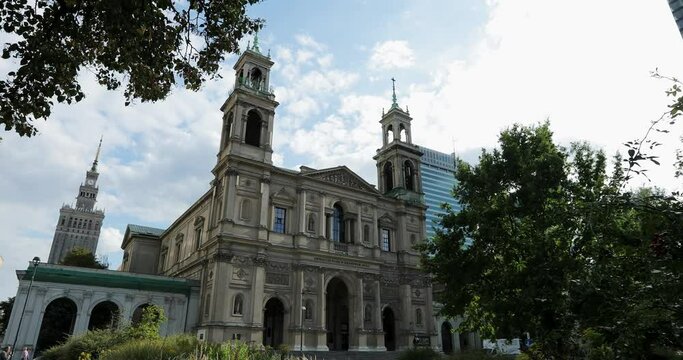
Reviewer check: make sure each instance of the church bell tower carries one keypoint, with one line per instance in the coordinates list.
(398, 160)
(249, 110)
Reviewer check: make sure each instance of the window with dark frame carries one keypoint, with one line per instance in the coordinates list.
(386, 240)
(280, 219)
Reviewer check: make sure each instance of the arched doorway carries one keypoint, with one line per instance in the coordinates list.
(104, 315)
(446, 338)
(337, 315)
(273, 323)
(58, 323)
(389, 327)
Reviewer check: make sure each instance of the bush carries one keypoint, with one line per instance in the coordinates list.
(419, 354)
(95, 341)
(478, 355)
(173, 347)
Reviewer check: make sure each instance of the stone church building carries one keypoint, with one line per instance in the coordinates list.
(318, 253)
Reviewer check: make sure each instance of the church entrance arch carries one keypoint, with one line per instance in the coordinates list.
(58, 323)
(104, 315)
(337, 315)
(273, 323)
(389, 327)
(446, 338)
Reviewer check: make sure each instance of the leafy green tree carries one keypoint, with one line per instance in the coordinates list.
(547, 243)
(152, 44)
(82, 258)
(5, 312)
(148, 327)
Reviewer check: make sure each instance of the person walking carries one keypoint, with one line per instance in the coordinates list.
(6, 353)
(25, 354)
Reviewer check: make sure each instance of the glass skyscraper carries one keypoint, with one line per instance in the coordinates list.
(438, 179)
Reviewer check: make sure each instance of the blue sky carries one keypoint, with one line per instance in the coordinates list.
(466, 69)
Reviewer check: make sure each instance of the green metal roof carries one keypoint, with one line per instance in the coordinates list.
(145, 230)
(108, 278)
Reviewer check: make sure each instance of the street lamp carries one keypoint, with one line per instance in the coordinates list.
(35, 262)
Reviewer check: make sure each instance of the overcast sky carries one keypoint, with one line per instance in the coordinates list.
(466, 69)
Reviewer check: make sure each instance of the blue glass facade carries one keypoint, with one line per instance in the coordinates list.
(438, 179)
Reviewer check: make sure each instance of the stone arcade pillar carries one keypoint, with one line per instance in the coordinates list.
(406, 325)
(321, 335)
(297, 311)
(379, 334)
(259, 281)
(361, 335)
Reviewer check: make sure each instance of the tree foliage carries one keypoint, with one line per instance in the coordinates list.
(152, 44)
(5, 312)
(548, 243)
(83, 258)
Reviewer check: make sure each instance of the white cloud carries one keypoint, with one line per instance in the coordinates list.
(392, 54)
(534, 62)
(110, 241)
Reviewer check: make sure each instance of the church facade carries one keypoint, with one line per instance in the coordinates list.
(316, 258)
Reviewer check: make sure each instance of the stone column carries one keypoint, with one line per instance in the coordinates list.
(229, 195)
(320, 314)
(430, 321)
(362, 343)
(330, 227)
(297, 310)
(321, 217)
(83, 314)
(359, 224)
(378, 317)
(259, 279)
(302, 210)
(375, 227)
(406, 324)
(264, 208)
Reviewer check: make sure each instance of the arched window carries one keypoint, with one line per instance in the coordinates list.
(311, 223)
(308, 313)
(408, 174)
(388, 176)
(418, 316)
(402, 133)
(238, 305)
(256, 78)
(252, 136)
(389, 134)
(338, 224)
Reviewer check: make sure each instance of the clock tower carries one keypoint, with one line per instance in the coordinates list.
(79, 225)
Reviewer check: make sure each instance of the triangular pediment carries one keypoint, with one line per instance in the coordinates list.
(341, 175)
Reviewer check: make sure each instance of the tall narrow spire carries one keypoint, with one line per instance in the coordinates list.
(97, 156)
(394, 104)
(255, 47)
